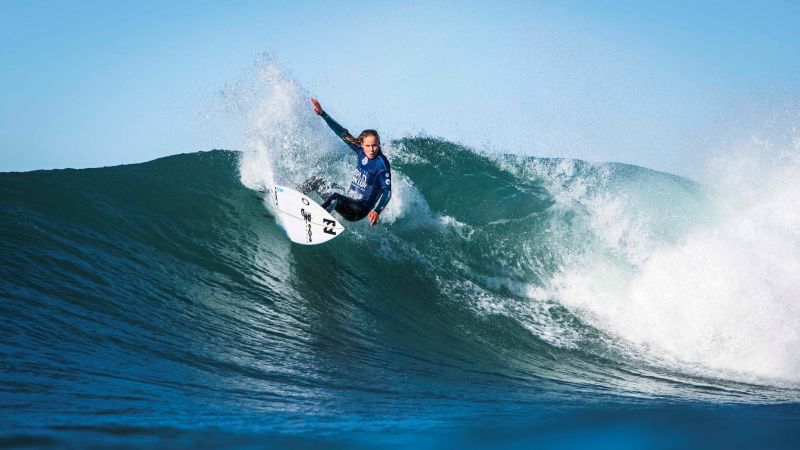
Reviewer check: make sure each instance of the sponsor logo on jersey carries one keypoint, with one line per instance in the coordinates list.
(359, 179)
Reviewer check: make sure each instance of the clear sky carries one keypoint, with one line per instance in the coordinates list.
(651, 83)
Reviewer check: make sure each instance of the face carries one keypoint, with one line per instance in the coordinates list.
(370, 146)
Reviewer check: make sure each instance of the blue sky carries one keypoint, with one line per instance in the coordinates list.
(98, 83)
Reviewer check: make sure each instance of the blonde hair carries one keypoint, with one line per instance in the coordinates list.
(357, 140)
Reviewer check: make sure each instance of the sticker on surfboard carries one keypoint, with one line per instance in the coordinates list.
(302, 219)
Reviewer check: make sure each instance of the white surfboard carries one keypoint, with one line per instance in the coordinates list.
(303, 220)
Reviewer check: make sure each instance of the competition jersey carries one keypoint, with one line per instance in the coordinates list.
(370, 177)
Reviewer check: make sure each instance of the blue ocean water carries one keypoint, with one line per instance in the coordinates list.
(504, 301)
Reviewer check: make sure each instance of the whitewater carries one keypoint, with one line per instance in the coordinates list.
(158, 301)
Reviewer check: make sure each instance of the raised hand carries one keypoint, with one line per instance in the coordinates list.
(317, 108)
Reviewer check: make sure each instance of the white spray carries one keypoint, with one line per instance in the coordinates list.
(286, 143)
(721, 300)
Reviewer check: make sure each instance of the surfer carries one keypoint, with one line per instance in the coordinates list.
(370, 189)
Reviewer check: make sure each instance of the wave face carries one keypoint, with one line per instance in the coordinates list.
(160, 292)
(145, 301)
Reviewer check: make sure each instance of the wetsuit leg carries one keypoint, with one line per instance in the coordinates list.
(349, 208)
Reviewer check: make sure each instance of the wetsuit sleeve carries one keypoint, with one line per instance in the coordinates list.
(385, 183)
(383, 200)
(341, 132)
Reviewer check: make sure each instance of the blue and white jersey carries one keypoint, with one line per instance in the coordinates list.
(370, 177)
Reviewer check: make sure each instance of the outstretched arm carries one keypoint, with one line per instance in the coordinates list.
(340, 131)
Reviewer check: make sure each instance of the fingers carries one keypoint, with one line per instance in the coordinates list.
(317, 107)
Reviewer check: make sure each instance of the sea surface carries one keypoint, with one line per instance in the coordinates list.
(503, 301)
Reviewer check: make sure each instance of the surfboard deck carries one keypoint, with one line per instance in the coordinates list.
(302, 219)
